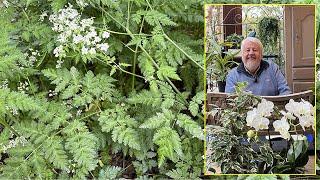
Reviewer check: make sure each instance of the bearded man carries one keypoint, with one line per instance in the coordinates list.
(264, 77)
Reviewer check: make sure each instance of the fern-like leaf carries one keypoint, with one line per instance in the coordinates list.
(55, 153)
(122, 127)
(189, 125)
(194, 104)
(167, 71)
(154, 17)
(169, 143)
(109, 172)
(145, 97)
(83, 146)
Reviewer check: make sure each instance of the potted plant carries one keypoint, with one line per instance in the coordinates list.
(235, 40)
(220, 64)
(237, 147)
(269, 32)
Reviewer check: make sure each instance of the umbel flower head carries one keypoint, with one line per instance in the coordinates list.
(77, 34)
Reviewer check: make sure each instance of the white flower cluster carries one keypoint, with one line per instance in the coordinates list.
(13, 111)
(4, 84)
(32, 57)
(4, 4)
(82, 3)
(76, 33)
(79, 112)
(282, 126)
(13, 143)
(23, 86)
(257, 118)
(303, 110)
(43, 15)
(52, 93)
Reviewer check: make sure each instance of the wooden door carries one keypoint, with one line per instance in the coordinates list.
(300, 47)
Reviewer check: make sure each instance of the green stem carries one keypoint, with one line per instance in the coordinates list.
(122, 33)
(6, 125)
(175, 44)
(120, 69)
(135, 57)
(128, 14)
(318, 35)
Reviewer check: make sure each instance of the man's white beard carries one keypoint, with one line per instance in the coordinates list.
(252, 65)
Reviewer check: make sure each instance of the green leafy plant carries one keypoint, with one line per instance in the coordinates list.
(219, 64)
(101, 89)
(268, 31)
(235, 39)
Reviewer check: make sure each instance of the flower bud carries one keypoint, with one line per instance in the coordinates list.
(251, 133)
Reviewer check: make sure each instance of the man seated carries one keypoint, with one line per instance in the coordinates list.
(264, 77)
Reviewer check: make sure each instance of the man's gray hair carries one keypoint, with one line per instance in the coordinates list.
(254, 40)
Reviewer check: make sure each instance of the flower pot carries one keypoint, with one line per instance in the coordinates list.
(221, 86)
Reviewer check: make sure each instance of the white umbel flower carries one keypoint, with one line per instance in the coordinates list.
(105, 35)
(103, 47)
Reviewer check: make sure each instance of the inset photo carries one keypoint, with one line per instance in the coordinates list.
(260, 78)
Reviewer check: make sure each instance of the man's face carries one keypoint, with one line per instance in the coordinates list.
(251, 55)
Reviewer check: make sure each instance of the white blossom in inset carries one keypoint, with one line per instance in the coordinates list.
(265, 108)
(283, 127)
(62, 38)
(255, 120)
(303, 110)
(306, 121)
(14, 111)
(87, 23)
(79, 112)
(97, 39)
(288, 115)
(52, 93)
(21, 140)
(5, 3)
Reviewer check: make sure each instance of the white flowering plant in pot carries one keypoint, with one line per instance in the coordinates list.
(237, 147)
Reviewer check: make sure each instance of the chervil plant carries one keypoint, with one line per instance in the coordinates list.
(101, 89)
(237, 147)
